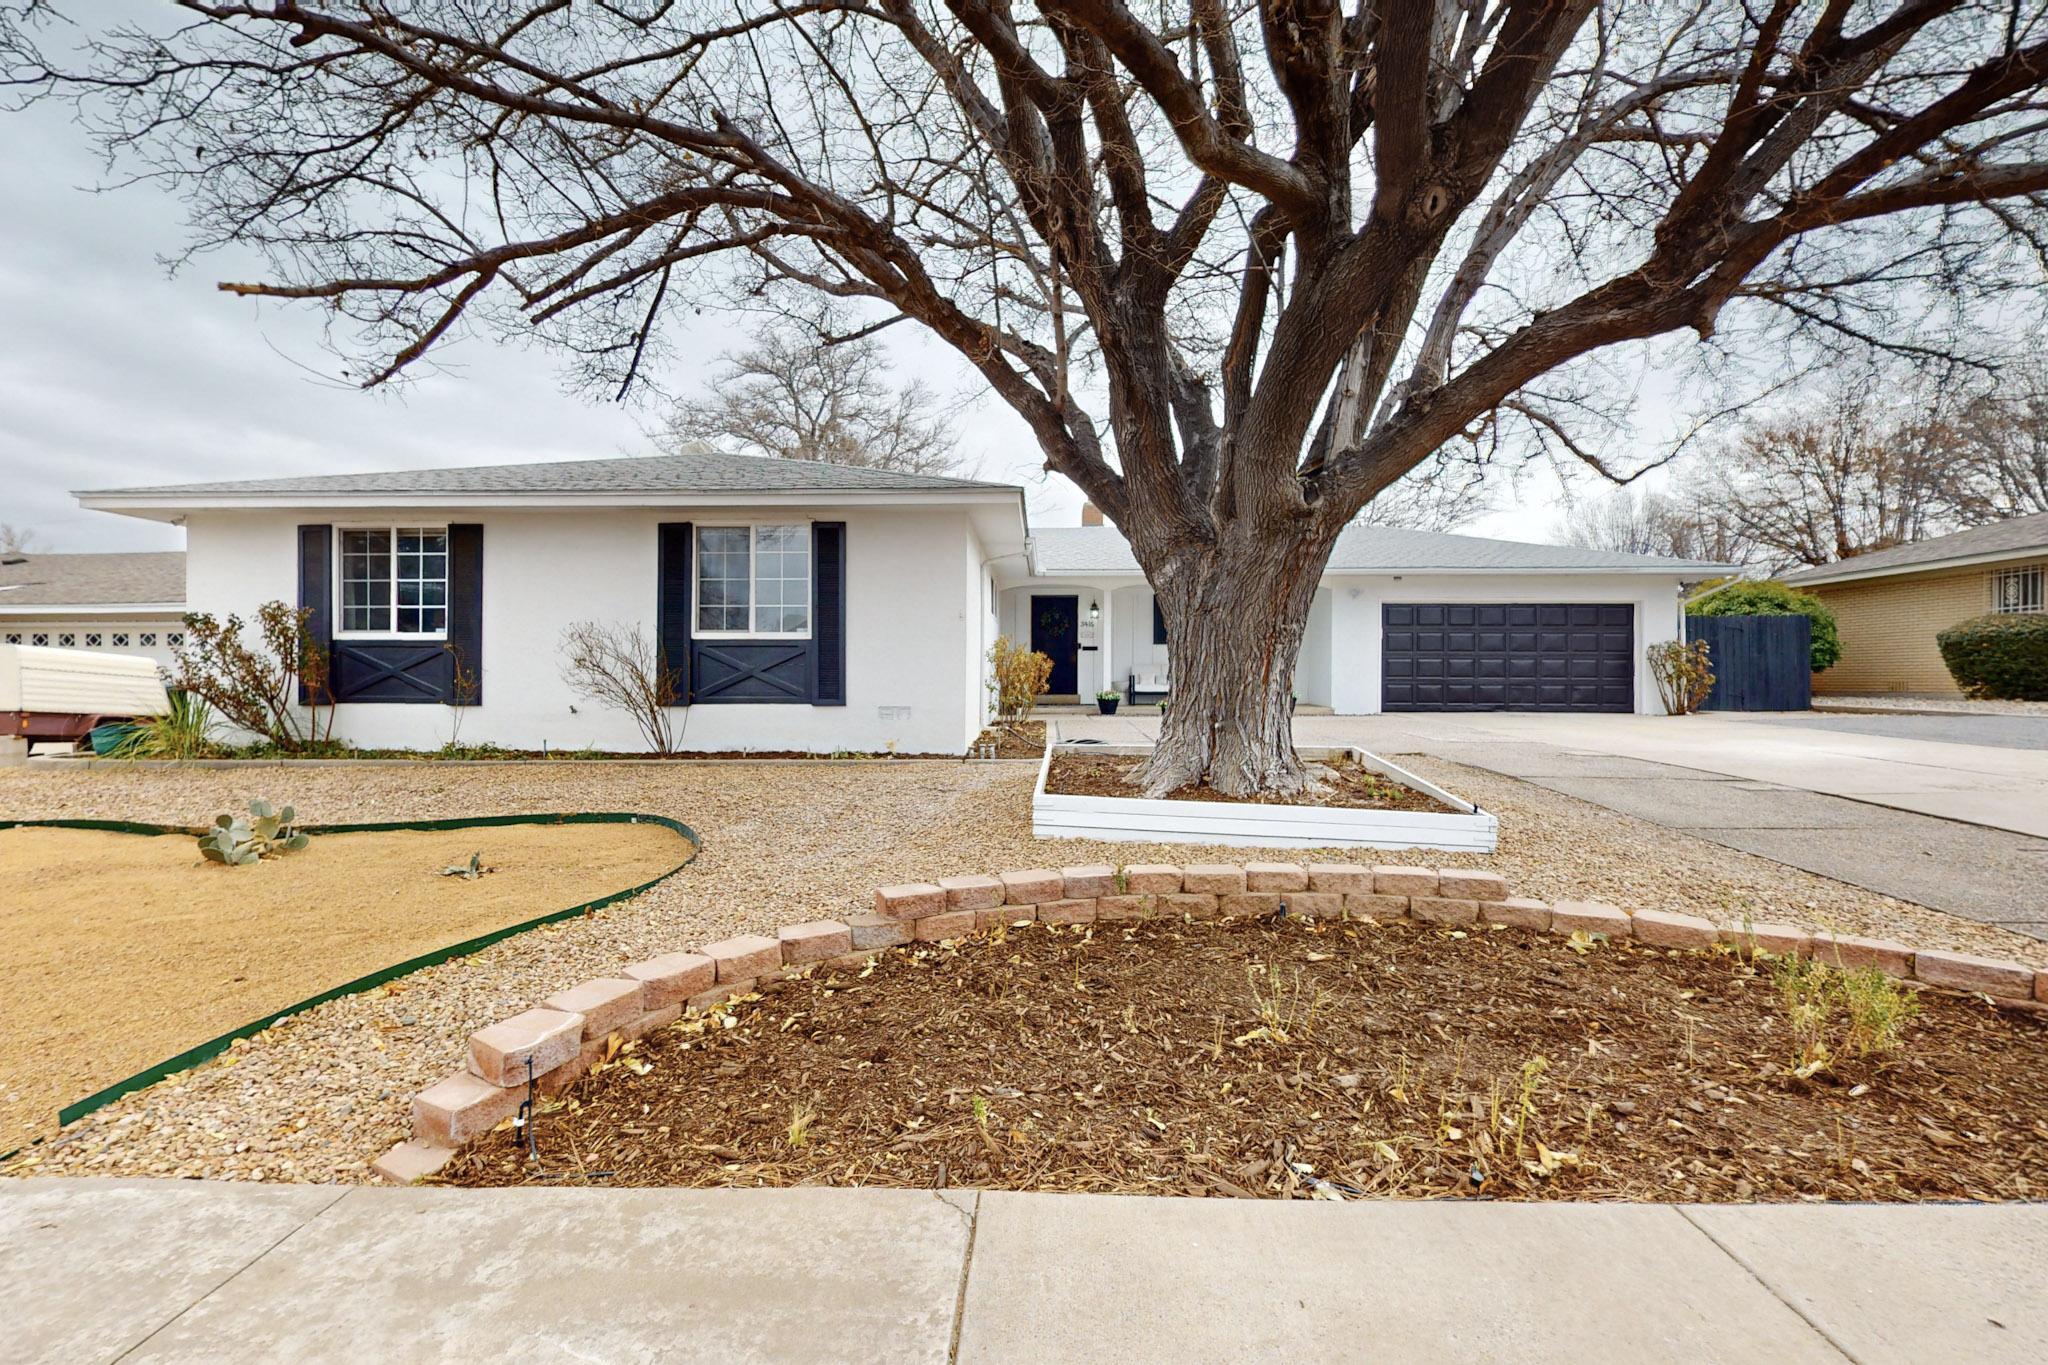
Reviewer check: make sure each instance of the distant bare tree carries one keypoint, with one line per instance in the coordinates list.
(18, 540)
(1860, 476)
(2002, 443)
(1628, 520)
(810, 387)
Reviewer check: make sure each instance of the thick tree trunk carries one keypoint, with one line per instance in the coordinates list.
(1235, 615)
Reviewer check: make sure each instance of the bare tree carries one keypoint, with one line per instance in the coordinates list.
(1441, 494)
(18, 540)
(1858, 477)
(1239, 267)
(2002, 444)
(810, 387)
(1629, 520)
(1693, 519)
(618, 666)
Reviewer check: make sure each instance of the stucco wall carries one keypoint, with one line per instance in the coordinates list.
(1355, 619)
(1340, 656)
(1888, 627)
(910, 626)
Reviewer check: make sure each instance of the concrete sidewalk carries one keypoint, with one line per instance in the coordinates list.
(184, 1271)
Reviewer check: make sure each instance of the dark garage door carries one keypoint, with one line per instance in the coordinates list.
(1460, 656)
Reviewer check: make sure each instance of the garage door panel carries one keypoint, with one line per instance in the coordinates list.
(1484, 656)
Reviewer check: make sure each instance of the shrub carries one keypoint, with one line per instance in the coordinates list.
(256, 683)
(2002, 657)
(619, 667)
(1020, 676)
(1684, 674)
(1765, 598)
(1840, 1013)
(183, 731)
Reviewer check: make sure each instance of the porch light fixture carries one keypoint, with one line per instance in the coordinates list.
(1095, 613)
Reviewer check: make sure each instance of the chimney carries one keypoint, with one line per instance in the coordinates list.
(1091, 515)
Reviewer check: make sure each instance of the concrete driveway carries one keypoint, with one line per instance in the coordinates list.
(1995, 777)
(1954, 826)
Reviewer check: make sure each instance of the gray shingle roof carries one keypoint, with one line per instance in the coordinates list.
(92, 580)
(1373, 549)
(2018, 536)
(695, 471)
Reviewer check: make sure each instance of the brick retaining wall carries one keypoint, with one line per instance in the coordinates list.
(573, 1030)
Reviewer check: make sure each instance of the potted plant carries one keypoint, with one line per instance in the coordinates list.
(1106, 700)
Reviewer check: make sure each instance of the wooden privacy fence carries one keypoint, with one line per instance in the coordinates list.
(1760, 663)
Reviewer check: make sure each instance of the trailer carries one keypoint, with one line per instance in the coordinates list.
(57, 696)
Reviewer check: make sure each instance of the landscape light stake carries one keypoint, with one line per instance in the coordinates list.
(523, 1123)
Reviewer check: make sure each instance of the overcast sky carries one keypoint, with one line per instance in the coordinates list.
(113, 373)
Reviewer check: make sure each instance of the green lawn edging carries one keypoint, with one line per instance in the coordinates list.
(213, 1047)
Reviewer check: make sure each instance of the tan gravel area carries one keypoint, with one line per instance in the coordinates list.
(320, 1096)
(143, 930)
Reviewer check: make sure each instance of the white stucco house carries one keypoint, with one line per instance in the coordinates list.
(822, 608)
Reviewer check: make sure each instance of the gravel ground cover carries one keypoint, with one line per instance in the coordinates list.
(126, 949)
(1250, 1059)
(321, 1096)
(1961, 706)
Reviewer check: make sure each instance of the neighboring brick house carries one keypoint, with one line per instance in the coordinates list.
(1892, 603)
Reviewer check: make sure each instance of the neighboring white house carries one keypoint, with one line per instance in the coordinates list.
(128, 603)
(821, 608)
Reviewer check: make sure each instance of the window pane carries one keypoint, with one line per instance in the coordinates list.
(782, 579)
(722, 587)
(366, 580)
(422, 579)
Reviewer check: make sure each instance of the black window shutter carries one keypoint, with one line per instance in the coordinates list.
(828, 613)
(316, 590)
(1158, 623)
(466, 613)
(672, 604)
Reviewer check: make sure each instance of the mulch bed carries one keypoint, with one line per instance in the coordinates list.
(1024, 739)
(1336, 782)
(1254, 1059)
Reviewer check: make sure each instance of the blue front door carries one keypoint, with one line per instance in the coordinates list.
(1055, 623)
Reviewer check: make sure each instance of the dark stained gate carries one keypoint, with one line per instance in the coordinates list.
(1760, 663)
(1483, 656)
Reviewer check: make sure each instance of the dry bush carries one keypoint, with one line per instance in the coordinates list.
(1020, 676)
(1684, 674)
(257, 684)
(618, 666)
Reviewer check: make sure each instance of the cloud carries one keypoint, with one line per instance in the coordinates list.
(114, 373)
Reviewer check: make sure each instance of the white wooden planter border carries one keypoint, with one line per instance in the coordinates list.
(1233, 824)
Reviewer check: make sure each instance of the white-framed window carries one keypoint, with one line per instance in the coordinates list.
(120, 640)
(175, 639)
(393, 580)
(13, 638)
(92, 641)
(147, 639)
(67, 640)
(39, 639)
(2017, 592)
(754, 580)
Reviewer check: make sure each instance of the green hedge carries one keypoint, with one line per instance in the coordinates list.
(2001, 657)
(1766, 598)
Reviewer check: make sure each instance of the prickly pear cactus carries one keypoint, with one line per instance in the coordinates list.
(265, 833)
